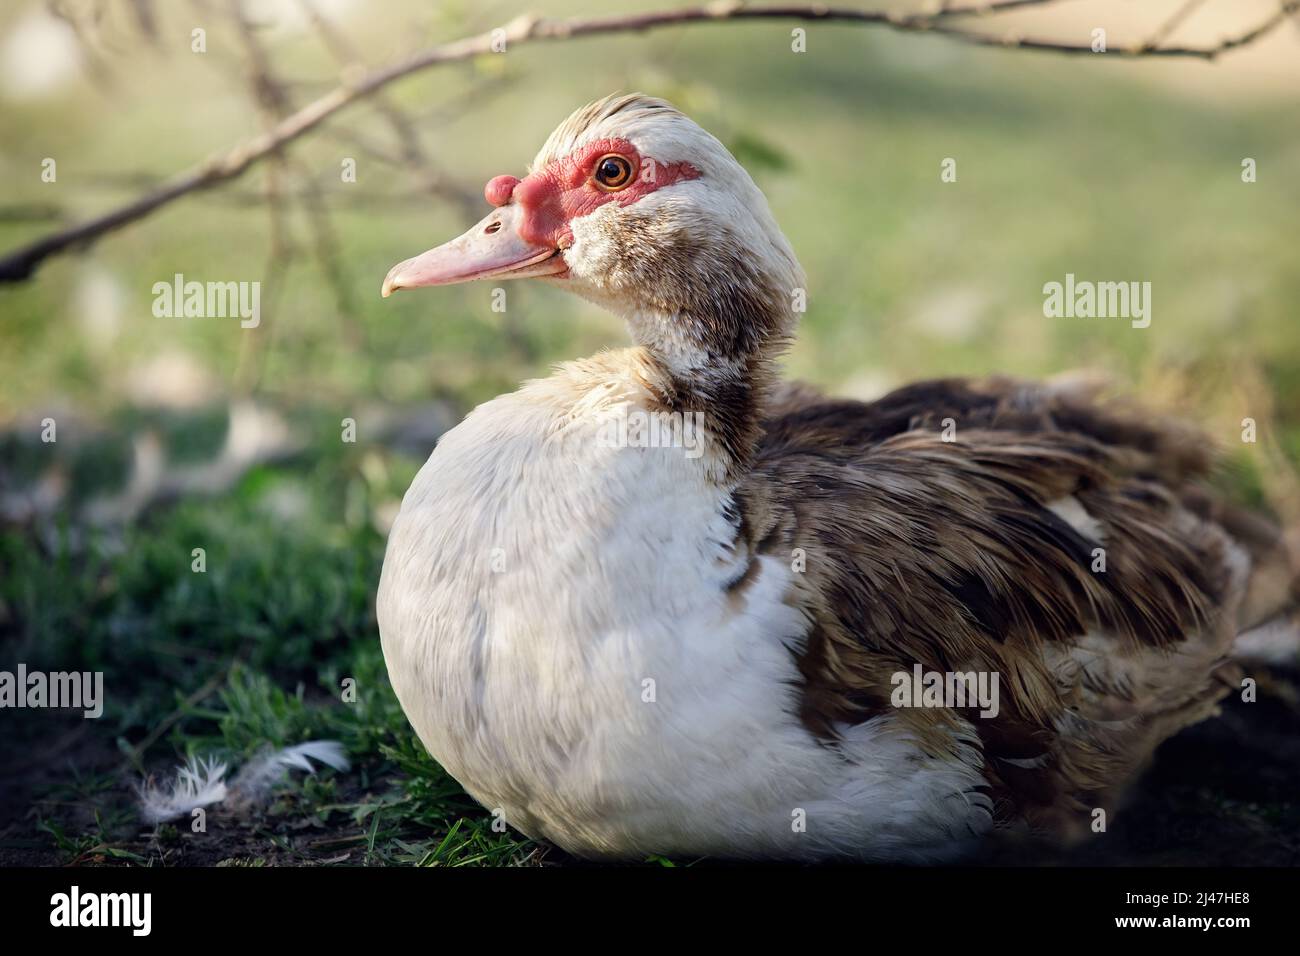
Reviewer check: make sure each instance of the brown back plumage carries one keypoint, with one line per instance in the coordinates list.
(946, 554)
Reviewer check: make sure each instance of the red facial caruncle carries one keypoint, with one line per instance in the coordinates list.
(526, 233)
(568, 188)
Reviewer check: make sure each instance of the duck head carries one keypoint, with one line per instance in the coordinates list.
(633, 206)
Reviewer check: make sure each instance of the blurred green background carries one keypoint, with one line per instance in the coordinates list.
(181, 433)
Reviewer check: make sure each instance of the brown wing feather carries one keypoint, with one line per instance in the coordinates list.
(944, 554)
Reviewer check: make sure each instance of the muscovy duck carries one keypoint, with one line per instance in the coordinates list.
(660, 602)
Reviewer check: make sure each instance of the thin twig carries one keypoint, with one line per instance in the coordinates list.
(330, 258)
(413, 157)
(1177, 19)
(272, 103)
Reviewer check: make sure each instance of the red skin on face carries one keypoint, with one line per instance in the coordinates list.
(564, 189)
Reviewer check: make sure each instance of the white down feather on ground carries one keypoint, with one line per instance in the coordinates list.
(201, 782)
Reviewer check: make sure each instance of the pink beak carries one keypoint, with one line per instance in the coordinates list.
(491, 249)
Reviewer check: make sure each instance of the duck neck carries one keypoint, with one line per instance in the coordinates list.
(714, 363)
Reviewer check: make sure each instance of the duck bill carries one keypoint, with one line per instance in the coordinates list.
(491, 249)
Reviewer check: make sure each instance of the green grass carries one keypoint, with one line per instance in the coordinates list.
(266, 636)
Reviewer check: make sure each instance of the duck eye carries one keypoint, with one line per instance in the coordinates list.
(613, 172)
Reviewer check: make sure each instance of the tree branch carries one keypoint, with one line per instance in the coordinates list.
(948, 20)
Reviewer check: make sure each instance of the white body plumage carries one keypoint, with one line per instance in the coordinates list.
(556, 624)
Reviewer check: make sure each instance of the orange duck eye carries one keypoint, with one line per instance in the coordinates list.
(613, 172)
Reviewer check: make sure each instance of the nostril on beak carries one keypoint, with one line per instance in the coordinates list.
(493, 227)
